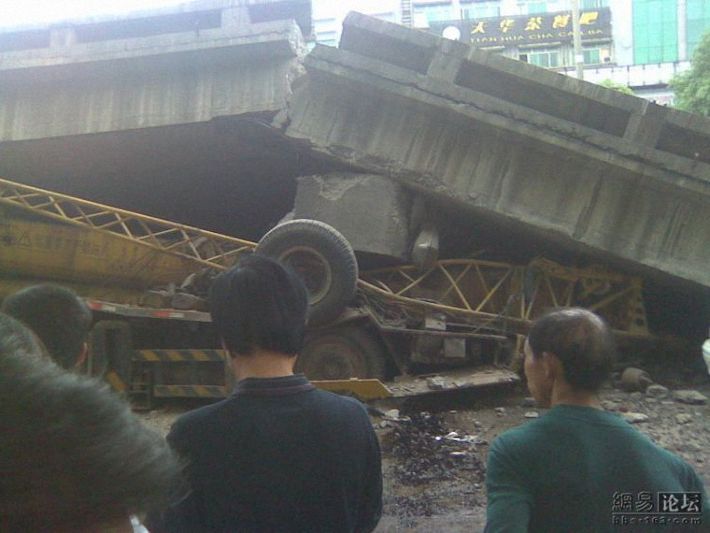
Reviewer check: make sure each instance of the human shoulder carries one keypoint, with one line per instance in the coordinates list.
(521, 438)
(194, 421)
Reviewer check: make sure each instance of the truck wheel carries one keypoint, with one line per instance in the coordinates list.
(342, 353)
(322, 258)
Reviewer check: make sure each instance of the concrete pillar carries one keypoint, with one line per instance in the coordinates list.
(372, 212)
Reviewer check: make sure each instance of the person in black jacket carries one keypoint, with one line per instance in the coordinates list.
(278, 455)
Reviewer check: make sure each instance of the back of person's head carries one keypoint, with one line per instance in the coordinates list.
(57, 316)
(582, 342)
(72, 455)
(259, 304)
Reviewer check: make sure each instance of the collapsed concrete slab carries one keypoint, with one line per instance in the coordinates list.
(591, 168)
(180, 65)
(372, 212)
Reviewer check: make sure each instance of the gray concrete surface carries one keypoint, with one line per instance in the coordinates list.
(591, 168)
(372, 212)
(147, 70)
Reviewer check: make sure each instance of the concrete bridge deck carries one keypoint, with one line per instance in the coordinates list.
(589, 167)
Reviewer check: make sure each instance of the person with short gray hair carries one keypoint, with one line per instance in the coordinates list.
(72, 455)
(579, 468)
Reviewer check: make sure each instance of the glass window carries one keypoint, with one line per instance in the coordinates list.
(480, 10)
(544, 58)
(537, 7)
(655, 31)
(592, 56)
(593, 4)
(698, 22)
(437, 13)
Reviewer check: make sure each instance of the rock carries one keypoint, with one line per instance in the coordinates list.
(436, 383)
(532, 414)
(692, 397)
(683, 418)
(651, 400)
(657, 391)
(609, 406)
(458, 454)
(500, 411)
(636, 395)
(528, 402)
(393, 414)
(635, 418)
(477, 424)
(635, 379)
(667, 402)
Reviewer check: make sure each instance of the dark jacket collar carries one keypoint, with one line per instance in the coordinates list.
(281, 386)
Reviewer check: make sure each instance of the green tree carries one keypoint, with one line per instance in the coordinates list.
(692, 88)
(611, 84)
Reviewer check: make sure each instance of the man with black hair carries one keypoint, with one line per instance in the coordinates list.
(73, 457)
(578, 467)
(279, 454)
(58, 317)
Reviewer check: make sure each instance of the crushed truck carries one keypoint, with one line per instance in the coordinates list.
(146, 280)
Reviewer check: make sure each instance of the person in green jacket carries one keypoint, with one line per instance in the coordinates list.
(579, 468)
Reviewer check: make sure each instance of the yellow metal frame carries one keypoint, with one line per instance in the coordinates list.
(203, 247)
(516, 294)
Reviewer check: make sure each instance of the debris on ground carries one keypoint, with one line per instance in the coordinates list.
(657, 391)
(635, 379)
(532, 414)
(691, 397)
(635, 418)
(428, 451)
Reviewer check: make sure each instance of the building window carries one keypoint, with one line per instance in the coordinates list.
(698, 21)
(655, 28)
(329, 38)
(592, 56)
(544, 58)
(480, 10)
(537, 7)
(437, 13)
(593, 4)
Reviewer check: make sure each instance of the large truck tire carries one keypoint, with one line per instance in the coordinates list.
(342, 353)
(322, 258)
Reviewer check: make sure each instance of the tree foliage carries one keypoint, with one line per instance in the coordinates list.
(611, 84)
(692, 88)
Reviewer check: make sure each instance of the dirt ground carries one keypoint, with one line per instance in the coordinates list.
(434, 449)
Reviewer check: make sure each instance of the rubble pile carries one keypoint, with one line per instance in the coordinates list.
(427, 451)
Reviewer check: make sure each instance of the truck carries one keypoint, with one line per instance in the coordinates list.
(450, 324)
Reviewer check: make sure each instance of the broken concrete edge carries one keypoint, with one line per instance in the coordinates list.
(337, 65)
(357, 22)
(276, 39)
(430, 184)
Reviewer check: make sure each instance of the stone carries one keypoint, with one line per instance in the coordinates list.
(500, 411)
(657, 391)
(635, 379)
(532, 414)
(635, 418)
(683, 418)
(392, 413)
(651, 400)
(528, 402)
(690, 397)
(436, 383)
(636, 395)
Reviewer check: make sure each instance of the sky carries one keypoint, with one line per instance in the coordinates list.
(37, 12)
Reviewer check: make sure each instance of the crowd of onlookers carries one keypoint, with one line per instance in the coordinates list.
(281, 455)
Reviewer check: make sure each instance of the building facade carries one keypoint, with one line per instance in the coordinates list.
(638, 43)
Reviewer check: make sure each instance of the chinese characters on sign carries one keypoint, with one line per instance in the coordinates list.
(542, 28)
